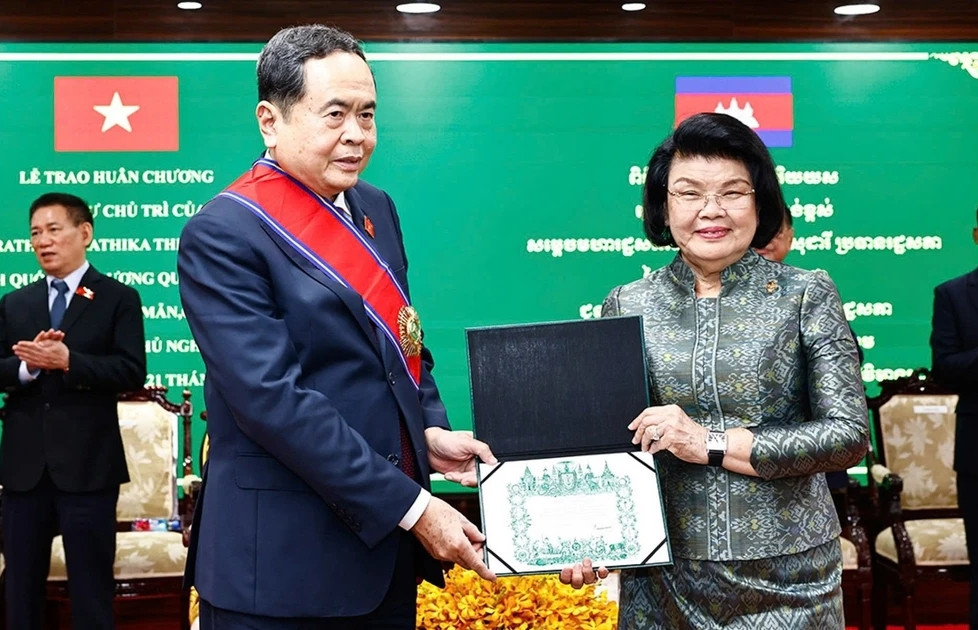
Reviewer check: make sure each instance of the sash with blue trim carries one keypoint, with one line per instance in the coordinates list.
(326, 237)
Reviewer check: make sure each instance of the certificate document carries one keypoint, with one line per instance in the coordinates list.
(540, 515)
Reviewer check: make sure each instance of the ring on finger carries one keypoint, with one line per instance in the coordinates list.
(655, 433)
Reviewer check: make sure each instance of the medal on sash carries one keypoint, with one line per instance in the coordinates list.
(326, 237)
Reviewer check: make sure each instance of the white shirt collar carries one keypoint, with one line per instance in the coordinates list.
(340, 202)
(73, 279)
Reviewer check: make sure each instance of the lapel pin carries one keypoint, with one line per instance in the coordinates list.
(772, 286)
(86, 293)
(368, 226)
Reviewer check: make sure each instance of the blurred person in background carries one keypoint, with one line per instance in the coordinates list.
(954, 359)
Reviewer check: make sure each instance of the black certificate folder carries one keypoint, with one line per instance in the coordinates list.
(564, 388)
(553, 401)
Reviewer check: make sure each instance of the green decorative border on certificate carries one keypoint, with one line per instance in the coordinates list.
(566, 479)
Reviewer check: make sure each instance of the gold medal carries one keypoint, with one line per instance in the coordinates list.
(409, 331)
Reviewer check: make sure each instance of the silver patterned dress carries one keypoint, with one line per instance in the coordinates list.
(772, 354)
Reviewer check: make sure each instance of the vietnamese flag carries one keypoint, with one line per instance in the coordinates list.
(763, 103)
(116, 114)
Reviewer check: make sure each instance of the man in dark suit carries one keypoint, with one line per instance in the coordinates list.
(323, 416)
(68, 344)
(954, 358)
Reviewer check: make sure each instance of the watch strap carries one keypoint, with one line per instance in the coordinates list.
(714, 456)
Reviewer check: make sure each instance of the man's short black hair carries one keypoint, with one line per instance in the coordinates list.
(78, 210)
(281, 64)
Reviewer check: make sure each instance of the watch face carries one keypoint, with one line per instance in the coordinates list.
(716, 441)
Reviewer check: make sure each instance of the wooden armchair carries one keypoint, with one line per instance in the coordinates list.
(914, 492)
(148, 564)
(857, 574)
(193, 608)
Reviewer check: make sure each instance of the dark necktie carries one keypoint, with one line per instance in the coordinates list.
(407, 453)
(60, 303)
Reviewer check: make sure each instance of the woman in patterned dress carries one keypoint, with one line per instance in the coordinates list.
(759, 355)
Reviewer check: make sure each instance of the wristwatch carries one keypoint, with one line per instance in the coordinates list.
(716, 447)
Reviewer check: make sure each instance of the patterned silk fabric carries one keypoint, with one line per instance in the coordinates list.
(799, 591)
(773, 354)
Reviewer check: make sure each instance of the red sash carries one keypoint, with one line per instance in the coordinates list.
(325, 236)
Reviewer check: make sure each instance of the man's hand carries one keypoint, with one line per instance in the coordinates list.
(582, 573)
(49, 335)
(453, 453)
(46, 352)
(447, 535)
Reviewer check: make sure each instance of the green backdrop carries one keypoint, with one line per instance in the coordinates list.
(506, 161)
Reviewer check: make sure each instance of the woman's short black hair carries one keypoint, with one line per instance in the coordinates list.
(714, 136)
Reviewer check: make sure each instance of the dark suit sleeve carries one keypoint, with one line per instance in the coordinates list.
(234, 313)
(9, 363)
(954, 365)
(122, 366)
(435, 414)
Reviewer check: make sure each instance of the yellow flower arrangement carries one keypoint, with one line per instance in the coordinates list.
(533, 602)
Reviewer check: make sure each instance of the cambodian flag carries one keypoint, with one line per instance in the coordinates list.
(764, 104)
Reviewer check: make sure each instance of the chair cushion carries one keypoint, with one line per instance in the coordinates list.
(137, 555)
(936, 541)
(918, 442)
(149, 436)
(850, 557)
